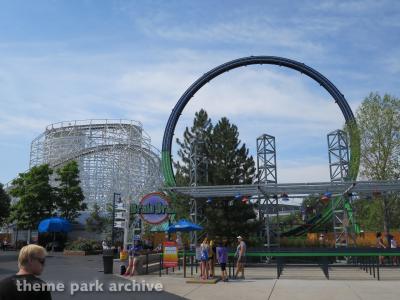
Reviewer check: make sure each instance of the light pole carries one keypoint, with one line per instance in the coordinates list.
(113, 217)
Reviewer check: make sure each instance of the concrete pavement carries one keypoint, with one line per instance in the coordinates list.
(296, 282)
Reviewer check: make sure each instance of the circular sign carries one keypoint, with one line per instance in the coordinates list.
(154, 208)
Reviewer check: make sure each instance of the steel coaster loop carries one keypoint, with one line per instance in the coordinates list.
(261, 60)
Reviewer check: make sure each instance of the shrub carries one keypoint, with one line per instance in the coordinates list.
(84, 245)
(20, 243)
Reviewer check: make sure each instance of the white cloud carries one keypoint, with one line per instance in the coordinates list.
(23, 124)
(349, 7)
(244, 30)
(302, 172)
(392, 63)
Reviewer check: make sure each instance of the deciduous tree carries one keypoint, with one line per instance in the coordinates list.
(378, 121)
(4, 205)
(69, 193)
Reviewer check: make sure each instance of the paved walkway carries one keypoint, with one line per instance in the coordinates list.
(85, 269)
(298, 282)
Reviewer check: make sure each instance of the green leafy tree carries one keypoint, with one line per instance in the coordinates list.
(36, 197)
(378, 121)
(96, 222)
(312, 206)
(70, 197)
(4, 205)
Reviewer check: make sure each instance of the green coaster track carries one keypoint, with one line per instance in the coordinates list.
(338, 97)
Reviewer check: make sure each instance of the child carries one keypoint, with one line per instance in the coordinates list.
(222, 257)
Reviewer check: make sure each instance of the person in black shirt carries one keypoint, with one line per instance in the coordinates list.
(25, 285)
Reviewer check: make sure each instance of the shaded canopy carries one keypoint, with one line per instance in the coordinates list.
(184, 225)
(54, 224)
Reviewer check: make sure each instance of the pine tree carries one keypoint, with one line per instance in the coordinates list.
(228, 163)
(70, 197)
(199, 132)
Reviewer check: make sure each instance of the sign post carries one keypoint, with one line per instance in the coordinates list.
(113, 216)
(170, 255)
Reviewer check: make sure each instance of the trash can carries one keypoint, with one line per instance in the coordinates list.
(108, 260)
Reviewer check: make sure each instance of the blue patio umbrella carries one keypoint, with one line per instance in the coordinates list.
(54, 224)
(184, 226)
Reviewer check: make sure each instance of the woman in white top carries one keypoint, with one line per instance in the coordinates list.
(241, 256)
(393, 245)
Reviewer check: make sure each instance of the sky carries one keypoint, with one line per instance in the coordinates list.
(77, 60)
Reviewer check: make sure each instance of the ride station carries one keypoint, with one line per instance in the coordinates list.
(337, 196)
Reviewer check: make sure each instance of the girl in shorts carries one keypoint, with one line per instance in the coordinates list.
(204, 249)
(133, 256)
(222, 257)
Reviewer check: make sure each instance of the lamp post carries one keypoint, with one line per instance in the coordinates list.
(113, 217)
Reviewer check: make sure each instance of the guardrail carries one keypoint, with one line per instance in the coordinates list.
(367, 259)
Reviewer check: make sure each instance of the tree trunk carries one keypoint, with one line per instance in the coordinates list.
(386, 223)
(28, 239)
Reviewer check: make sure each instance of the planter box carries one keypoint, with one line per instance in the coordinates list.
(74, 253)
(81, 253)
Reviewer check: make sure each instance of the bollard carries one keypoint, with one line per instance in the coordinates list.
(184, 265)
(377, 268)
(373, 267)
(229, 268)
(191, 265)
(369, 264)
(160, 264)
(233, 268)
(147, 263)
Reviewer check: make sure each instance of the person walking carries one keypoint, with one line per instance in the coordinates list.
(104, 245)
(393, 245)
(380, 245)
(222, 257)
(4, 244)
(204, 251)
(31, 262)
(241, 256)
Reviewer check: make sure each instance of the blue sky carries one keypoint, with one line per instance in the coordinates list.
(74, 60)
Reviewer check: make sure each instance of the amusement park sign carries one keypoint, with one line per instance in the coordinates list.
(154, 208)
